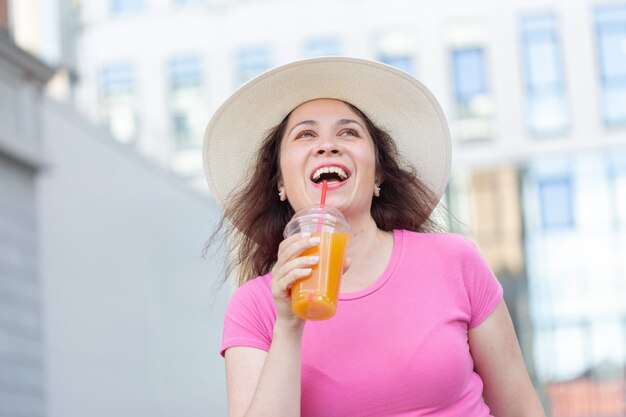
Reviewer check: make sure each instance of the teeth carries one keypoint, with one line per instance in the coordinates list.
(327, 170)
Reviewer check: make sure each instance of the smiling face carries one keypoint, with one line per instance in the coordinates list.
(326, 139)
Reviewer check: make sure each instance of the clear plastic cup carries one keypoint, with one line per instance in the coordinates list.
(315, 297)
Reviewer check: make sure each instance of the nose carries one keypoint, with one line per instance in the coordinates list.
(328, 145)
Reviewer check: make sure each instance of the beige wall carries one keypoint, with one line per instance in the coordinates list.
(496, 222)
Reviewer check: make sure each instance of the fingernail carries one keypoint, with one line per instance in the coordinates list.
(314, 259)
(306, 234)
(306, 271)
(314, 240)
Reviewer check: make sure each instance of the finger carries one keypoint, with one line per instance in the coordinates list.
(298, 246)
(291, 239)
(295, 263)
(285, 284)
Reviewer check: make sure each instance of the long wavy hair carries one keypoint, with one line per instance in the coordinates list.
(254, 217)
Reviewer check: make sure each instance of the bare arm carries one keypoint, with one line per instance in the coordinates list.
(263, 383)
(498, 360)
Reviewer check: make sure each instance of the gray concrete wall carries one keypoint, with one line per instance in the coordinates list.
(21, 359)
(21, 350)
(131, 320)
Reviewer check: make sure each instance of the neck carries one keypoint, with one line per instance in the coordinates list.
(364, 235)
(369, 250)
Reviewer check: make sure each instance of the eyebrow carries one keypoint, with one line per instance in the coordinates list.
(339, 123)
(304, 122)
(349, 121)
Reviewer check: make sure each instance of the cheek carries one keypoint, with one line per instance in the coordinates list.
(289, 170)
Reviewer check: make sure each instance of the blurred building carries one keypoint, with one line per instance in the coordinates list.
(535, 94)
(106, 306)
(22, 78)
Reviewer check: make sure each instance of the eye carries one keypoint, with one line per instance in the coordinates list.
(349, 132)
(305, 134)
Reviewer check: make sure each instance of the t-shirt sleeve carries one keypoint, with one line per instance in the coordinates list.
(250, 316)
(483, 288)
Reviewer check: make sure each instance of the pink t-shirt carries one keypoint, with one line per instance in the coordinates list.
(396, 348)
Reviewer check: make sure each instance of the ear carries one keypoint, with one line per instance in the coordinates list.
(377, 185)
(282, 194)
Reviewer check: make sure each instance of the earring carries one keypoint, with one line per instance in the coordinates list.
(376, 190)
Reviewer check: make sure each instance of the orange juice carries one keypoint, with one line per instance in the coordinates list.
(315, 297)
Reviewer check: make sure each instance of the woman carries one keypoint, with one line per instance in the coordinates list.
(421, 327)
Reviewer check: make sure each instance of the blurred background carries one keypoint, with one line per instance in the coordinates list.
(107, 306)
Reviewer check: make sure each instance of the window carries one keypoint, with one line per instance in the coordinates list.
(403, 62)
(556, 203)
(469, 74)
(182, 130)
(471, 92)
(125, 6)
(611, 38)
(396, 47)
(322, 47)
(188, 110)
(118, 101)
(546, 110)
(251, 62)
(185, 73)
(187, 107)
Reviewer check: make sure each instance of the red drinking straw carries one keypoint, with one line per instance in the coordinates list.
(322, 203)
(324, 188)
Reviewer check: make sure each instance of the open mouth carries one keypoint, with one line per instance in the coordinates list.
(332, 174)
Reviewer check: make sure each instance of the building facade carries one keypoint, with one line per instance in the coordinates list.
(22, 80)
(107, 307)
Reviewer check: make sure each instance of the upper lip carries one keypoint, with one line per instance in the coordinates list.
(331, 165)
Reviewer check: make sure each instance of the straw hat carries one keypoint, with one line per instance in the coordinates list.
(392, 99)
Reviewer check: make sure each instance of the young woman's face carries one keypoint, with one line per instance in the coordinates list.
(326, 139)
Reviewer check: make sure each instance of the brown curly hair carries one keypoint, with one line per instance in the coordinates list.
(254, 217)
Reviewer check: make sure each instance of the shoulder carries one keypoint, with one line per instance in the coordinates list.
(449, 244)
(256, 285)
(250, 316)
(254, 294)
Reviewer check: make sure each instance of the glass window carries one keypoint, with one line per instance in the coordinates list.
(396, 46)
(185, 72)
(322, 47)
(182, 129)
(188, 110)
(611, 38)
(471, 92)
(556, 203)
(117, 85)
(117, 78)
(251, 62)
(469, 73)
(546, 110)
(125, 6)
(403, 62)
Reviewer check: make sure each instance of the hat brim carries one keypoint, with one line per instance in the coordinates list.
(392, 99)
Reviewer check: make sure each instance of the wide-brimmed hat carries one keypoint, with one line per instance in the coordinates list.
(392, 99)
